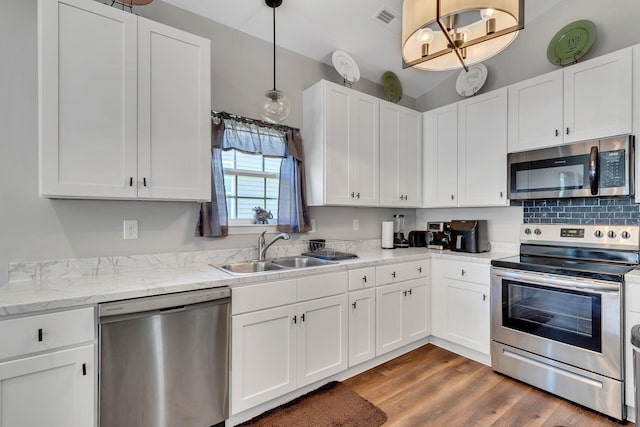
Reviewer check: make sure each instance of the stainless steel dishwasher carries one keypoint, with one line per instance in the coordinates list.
(164, 361)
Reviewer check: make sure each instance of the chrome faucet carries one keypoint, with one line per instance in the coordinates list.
(262, 247)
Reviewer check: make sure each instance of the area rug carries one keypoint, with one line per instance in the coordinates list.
(333, 404)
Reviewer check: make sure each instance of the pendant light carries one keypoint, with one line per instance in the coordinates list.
(275, 106)
(440, 35)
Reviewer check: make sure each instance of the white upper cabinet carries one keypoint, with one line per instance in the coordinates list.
(584, 101)
(465, 152)
(440, 157)
(598, 97)
(341, 139)
(482, 150)
(400, 156)
(124, 105)
(535, 112)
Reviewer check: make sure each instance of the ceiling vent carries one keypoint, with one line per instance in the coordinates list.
(385, 15)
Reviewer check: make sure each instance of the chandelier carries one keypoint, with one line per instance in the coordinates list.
(275, 104)
(439, 35)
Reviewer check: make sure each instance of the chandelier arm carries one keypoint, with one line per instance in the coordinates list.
(451, 43)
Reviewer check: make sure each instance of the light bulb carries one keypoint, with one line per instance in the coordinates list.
(466, 34)
(487, 13)
(425, 35)
(275, 106)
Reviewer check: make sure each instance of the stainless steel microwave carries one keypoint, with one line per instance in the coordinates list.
(586, 169)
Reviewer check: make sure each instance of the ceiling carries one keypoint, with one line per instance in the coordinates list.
(316, 29)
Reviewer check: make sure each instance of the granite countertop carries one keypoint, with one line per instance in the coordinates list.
(52, 293)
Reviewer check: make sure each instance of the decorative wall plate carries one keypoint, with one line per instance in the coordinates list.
(571, 43)
(345, 66)
(470, 82)
(392, 86)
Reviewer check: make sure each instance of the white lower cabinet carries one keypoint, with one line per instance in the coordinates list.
(632, 317)
(47, 370)
(53, 389)
(362, 326)
(277, 350)
(461, 309)
(403, 296)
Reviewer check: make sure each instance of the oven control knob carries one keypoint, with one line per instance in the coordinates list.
(625, 235)
(611, 234)
(527, 231)
(598, 233)
(537, 232)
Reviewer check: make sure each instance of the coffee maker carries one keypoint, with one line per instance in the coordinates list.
(399, 241)
(439, 235)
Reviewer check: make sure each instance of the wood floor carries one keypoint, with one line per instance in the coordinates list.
(434, 387)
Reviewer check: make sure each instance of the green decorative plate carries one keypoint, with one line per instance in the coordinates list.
(571, 43)
(392, 86)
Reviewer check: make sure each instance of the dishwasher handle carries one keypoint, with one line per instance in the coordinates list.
(162, 303)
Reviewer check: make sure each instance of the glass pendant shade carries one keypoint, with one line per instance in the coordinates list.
(275, 106)
(440, 35)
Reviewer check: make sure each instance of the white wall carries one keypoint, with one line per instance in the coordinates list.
(617, 27)
(33, 228)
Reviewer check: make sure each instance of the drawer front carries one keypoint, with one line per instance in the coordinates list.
(632, 296)
(362, 278)
(466, 271)
(400, 272)
(322, 286)
(264, 295)
(45, 332)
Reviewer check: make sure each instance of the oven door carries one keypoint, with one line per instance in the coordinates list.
(576, 322)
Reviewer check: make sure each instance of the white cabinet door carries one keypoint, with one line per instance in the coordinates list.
(400, 156)
(87, 100)
(482, 150)
(54, 389)
(466, 314)
(535, 112)
(598, 98)
(440, 157)
(263, 356)
(174, 107)
(389, 317)
(364, 161)
(322, 342)
(362, 325)
(417, 310)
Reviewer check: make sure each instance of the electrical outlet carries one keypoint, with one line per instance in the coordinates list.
(313, 225)
(130, 229)
(356, 224)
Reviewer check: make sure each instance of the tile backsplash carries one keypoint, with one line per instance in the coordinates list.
(594, 210)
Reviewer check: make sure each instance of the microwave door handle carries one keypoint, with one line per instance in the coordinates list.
(593, 170)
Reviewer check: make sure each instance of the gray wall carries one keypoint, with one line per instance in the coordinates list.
(616, 22)
(34, 228)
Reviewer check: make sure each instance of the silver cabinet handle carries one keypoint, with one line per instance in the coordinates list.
(567, 131)
(419, 269)
(354, 304)
(557, 133)
(364, 279)
(463, 272)
(353, 194)
(484, 297)
(501, 194)
(452, 197)
(393, 274)
(358, 195)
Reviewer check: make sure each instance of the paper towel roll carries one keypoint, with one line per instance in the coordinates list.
(387, 234)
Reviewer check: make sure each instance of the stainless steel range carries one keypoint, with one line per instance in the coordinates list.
(557, 311)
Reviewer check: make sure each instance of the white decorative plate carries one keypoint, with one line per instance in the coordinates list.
(470, 82)
(345, 66)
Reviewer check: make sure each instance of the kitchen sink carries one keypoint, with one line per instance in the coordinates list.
(283, 263)
(249, 267)
(300, 262)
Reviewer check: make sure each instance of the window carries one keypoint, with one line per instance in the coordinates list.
(250, 180)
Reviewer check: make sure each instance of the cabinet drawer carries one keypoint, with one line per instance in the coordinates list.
(632, 296)
(362, 278)
(466, 271)
(322, 286)
(401, 272)
(49, 331)
(263, 295)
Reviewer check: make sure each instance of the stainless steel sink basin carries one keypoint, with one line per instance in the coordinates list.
(300, 262)
(249, 267)
(284, 263)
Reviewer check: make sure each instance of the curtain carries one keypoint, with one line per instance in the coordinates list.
(293, 214)
(256, 137)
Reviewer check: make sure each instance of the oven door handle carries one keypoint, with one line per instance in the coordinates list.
(552, 282)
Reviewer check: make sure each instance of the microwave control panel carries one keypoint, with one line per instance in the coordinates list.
(612, 168)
